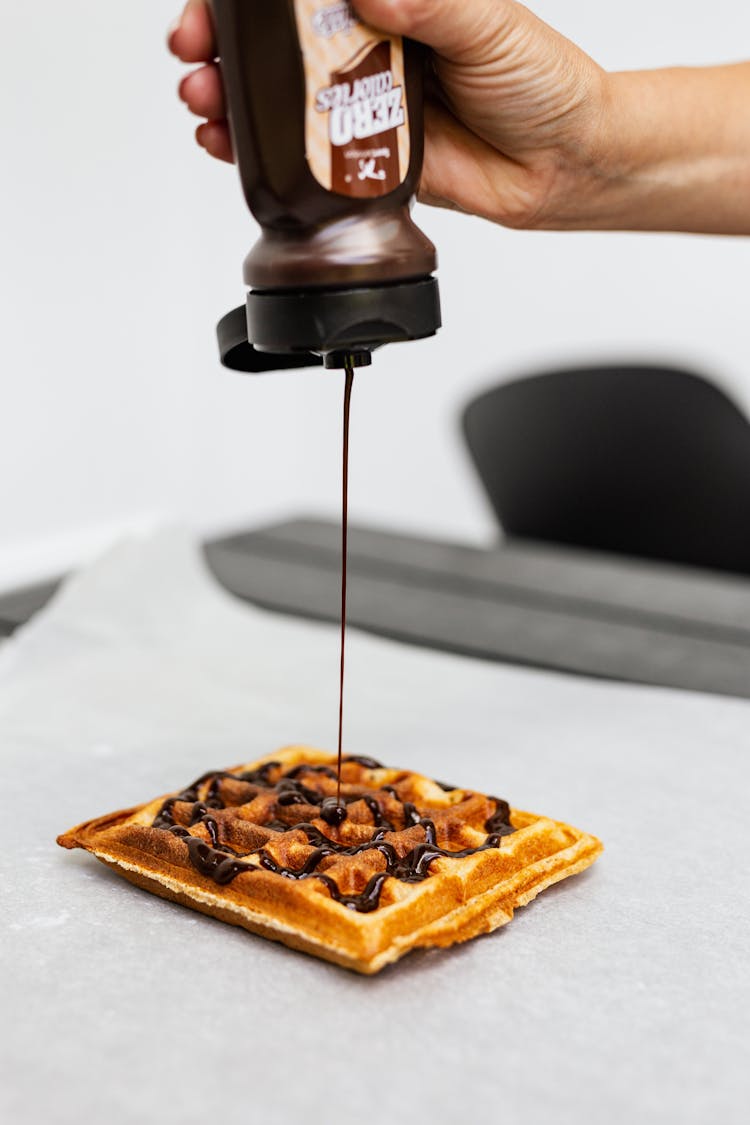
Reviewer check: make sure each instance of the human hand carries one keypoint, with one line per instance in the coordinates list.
(191, 39)
(513, 106)
(513, 113)
(523, 128)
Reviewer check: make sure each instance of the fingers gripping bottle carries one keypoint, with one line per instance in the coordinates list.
(325, 114)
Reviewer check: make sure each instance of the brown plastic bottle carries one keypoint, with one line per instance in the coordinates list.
(326, 121)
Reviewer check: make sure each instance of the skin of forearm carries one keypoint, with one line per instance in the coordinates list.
(672, 153)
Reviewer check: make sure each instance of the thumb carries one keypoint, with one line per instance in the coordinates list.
(456, 29)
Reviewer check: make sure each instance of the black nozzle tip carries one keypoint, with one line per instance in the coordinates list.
(359, 357)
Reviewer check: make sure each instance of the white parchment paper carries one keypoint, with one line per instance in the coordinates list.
(619, 996)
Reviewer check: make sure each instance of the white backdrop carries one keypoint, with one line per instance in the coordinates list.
(121, 243)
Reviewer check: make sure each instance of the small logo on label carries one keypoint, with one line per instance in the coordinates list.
(367, 170)
(336, 18)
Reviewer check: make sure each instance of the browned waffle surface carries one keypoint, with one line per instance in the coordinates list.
(412, 863)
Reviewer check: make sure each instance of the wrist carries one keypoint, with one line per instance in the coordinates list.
(668, 150)
(593, 177)
(641, 165)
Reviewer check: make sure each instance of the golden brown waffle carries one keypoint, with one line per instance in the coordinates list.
(413, 863)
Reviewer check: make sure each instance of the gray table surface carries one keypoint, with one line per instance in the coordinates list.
(527, 603)
(620, 996)
(530, 603)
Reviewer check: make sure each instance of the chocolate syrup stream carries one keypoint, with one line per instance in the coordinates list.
(349, 373)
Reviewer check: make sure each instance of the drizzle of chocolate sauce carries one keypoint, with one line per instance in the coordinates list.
(325, 771)
(365, 763)
(348, 384)
(332, 811)
(221, 863)
(500, 819)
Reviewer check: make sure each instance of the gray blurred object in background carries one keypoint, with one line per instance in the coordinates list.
(646, 461)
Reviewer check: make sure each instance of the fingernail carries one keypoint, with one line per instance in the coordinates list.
(175, 26)
(172, 30)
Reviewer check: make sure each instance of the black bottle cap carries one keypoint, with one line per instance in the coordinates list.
(295, 328)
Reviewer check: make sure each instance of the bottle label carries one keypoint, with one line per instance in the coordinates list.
(356, 120)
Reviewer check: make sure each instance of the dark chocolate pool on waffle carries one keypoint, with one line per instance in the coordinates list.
(222, 863)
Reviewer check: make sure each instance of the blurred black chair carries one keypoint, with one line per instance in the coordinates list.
(646, 461)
